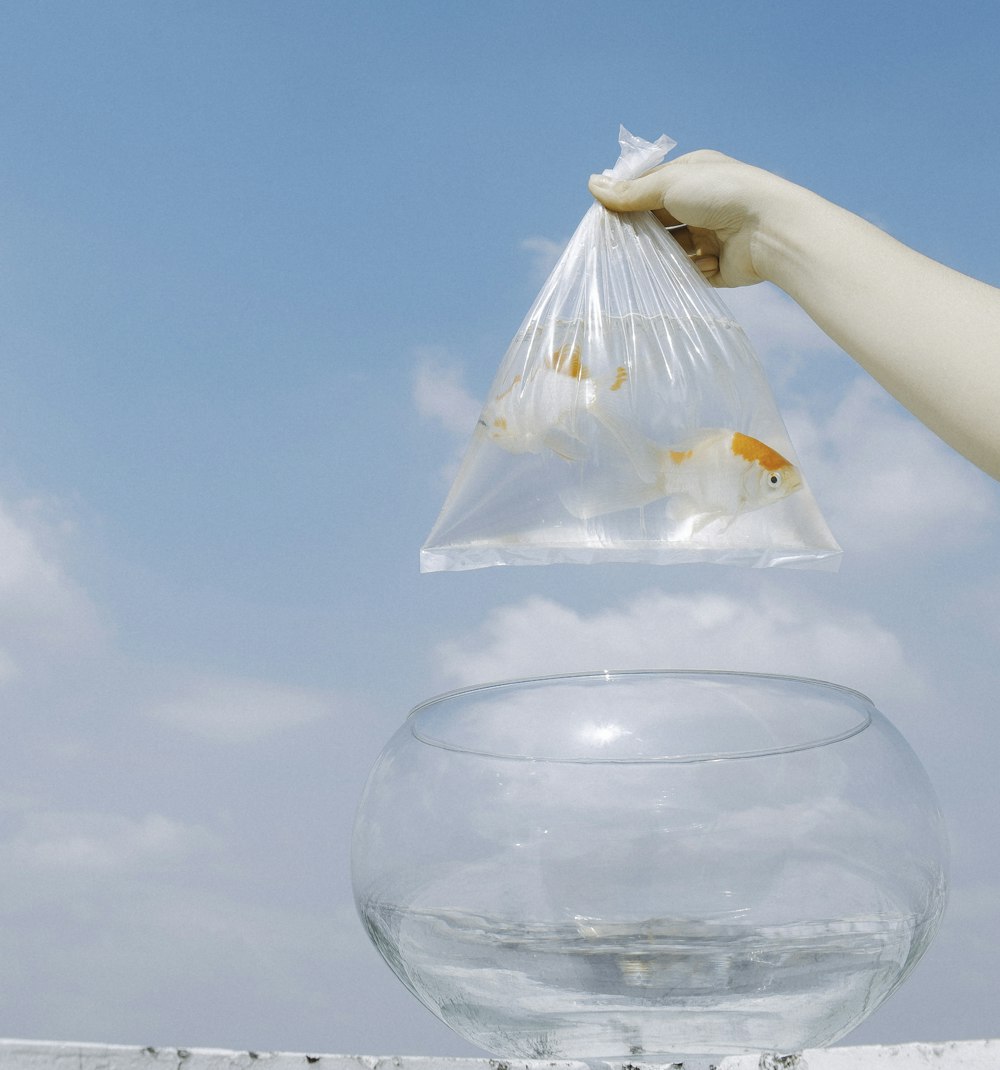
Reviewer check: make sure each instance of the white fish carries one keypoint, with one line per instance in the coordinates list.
(540, 410)
(713, 475)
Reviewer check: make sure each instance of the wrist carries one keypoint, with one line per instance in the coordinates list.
(786, 221)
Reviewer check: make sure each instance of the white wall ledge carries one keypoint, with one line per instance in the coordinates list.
(50, 1055)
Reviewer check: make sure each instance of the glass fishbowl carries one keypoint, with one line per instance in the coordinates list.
(650, 866)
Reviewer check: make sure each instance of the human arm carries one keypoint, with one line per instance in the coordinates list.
(930, 335)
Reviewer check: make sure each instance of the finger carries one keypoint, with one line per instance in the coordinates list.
(667, 219)
(622, 195)
(680, 234)
(695, 241)
(704, 251)
(704, 242)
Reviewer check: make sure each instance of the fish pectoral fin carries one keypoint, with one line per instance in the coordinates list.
(688, 516)
(704, 519)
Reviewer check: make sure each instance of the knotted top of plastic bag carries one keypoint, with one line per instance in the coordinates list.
(630, 420)
(638, 156)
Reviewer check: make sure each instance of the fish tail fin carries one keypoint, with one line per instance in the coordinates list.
(564, 445)
(642, 454)
(599, 498)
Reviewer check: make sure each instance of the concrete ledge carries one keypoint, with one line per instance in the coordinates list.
(49, 1055)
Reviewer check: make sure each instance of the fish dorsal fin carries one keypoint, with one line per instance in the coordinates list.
(566, 361)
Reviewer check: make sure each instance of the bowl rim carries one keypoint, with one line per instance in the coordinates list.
(870, 712)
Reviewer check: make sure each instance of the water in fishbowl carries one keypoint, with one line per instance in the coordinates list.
(649, 990)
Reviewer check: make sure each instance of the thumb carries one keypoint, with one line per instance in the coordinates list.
(628, 195)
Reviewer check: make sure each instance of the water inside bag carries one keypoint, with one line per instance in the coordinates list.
(576, 458)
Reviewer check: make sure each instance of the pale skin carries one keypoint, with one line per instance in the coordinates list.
(930, 335)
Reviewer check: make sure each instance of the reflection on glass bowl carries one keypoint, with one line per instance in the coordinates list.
(649, 865)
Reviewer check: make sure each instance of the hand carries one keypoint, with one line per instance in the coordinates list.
(927, 333)
(718, 202)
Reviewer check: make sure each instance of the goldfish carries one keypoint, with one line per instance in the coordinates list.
(715, 474)
(560, 406)
(541, 410)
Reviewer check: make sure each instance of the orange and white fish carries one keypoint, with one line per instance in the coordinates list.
(541, 410)
(716, 474)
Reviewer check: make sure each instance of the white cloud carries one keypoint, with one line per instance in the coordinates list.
(63, 843)
(885, 482)
(545, 253)
(56, 650)
(770, 632)
(960, 965)
(151, 926)
(240, 709)
(773, 322)
(44, 615)
(980, 601)
(440, 394)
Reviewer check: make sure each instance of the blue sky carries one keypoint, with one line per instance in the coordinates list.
(258, 264)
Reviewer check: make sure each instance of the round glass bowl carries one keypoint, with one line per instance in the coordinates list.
(649, 865)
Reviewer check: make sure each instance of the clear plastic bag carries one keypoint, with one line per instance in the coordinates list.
(630, 420)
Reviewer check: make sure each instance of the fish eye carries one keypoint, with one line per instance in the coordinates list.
(774, 479)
